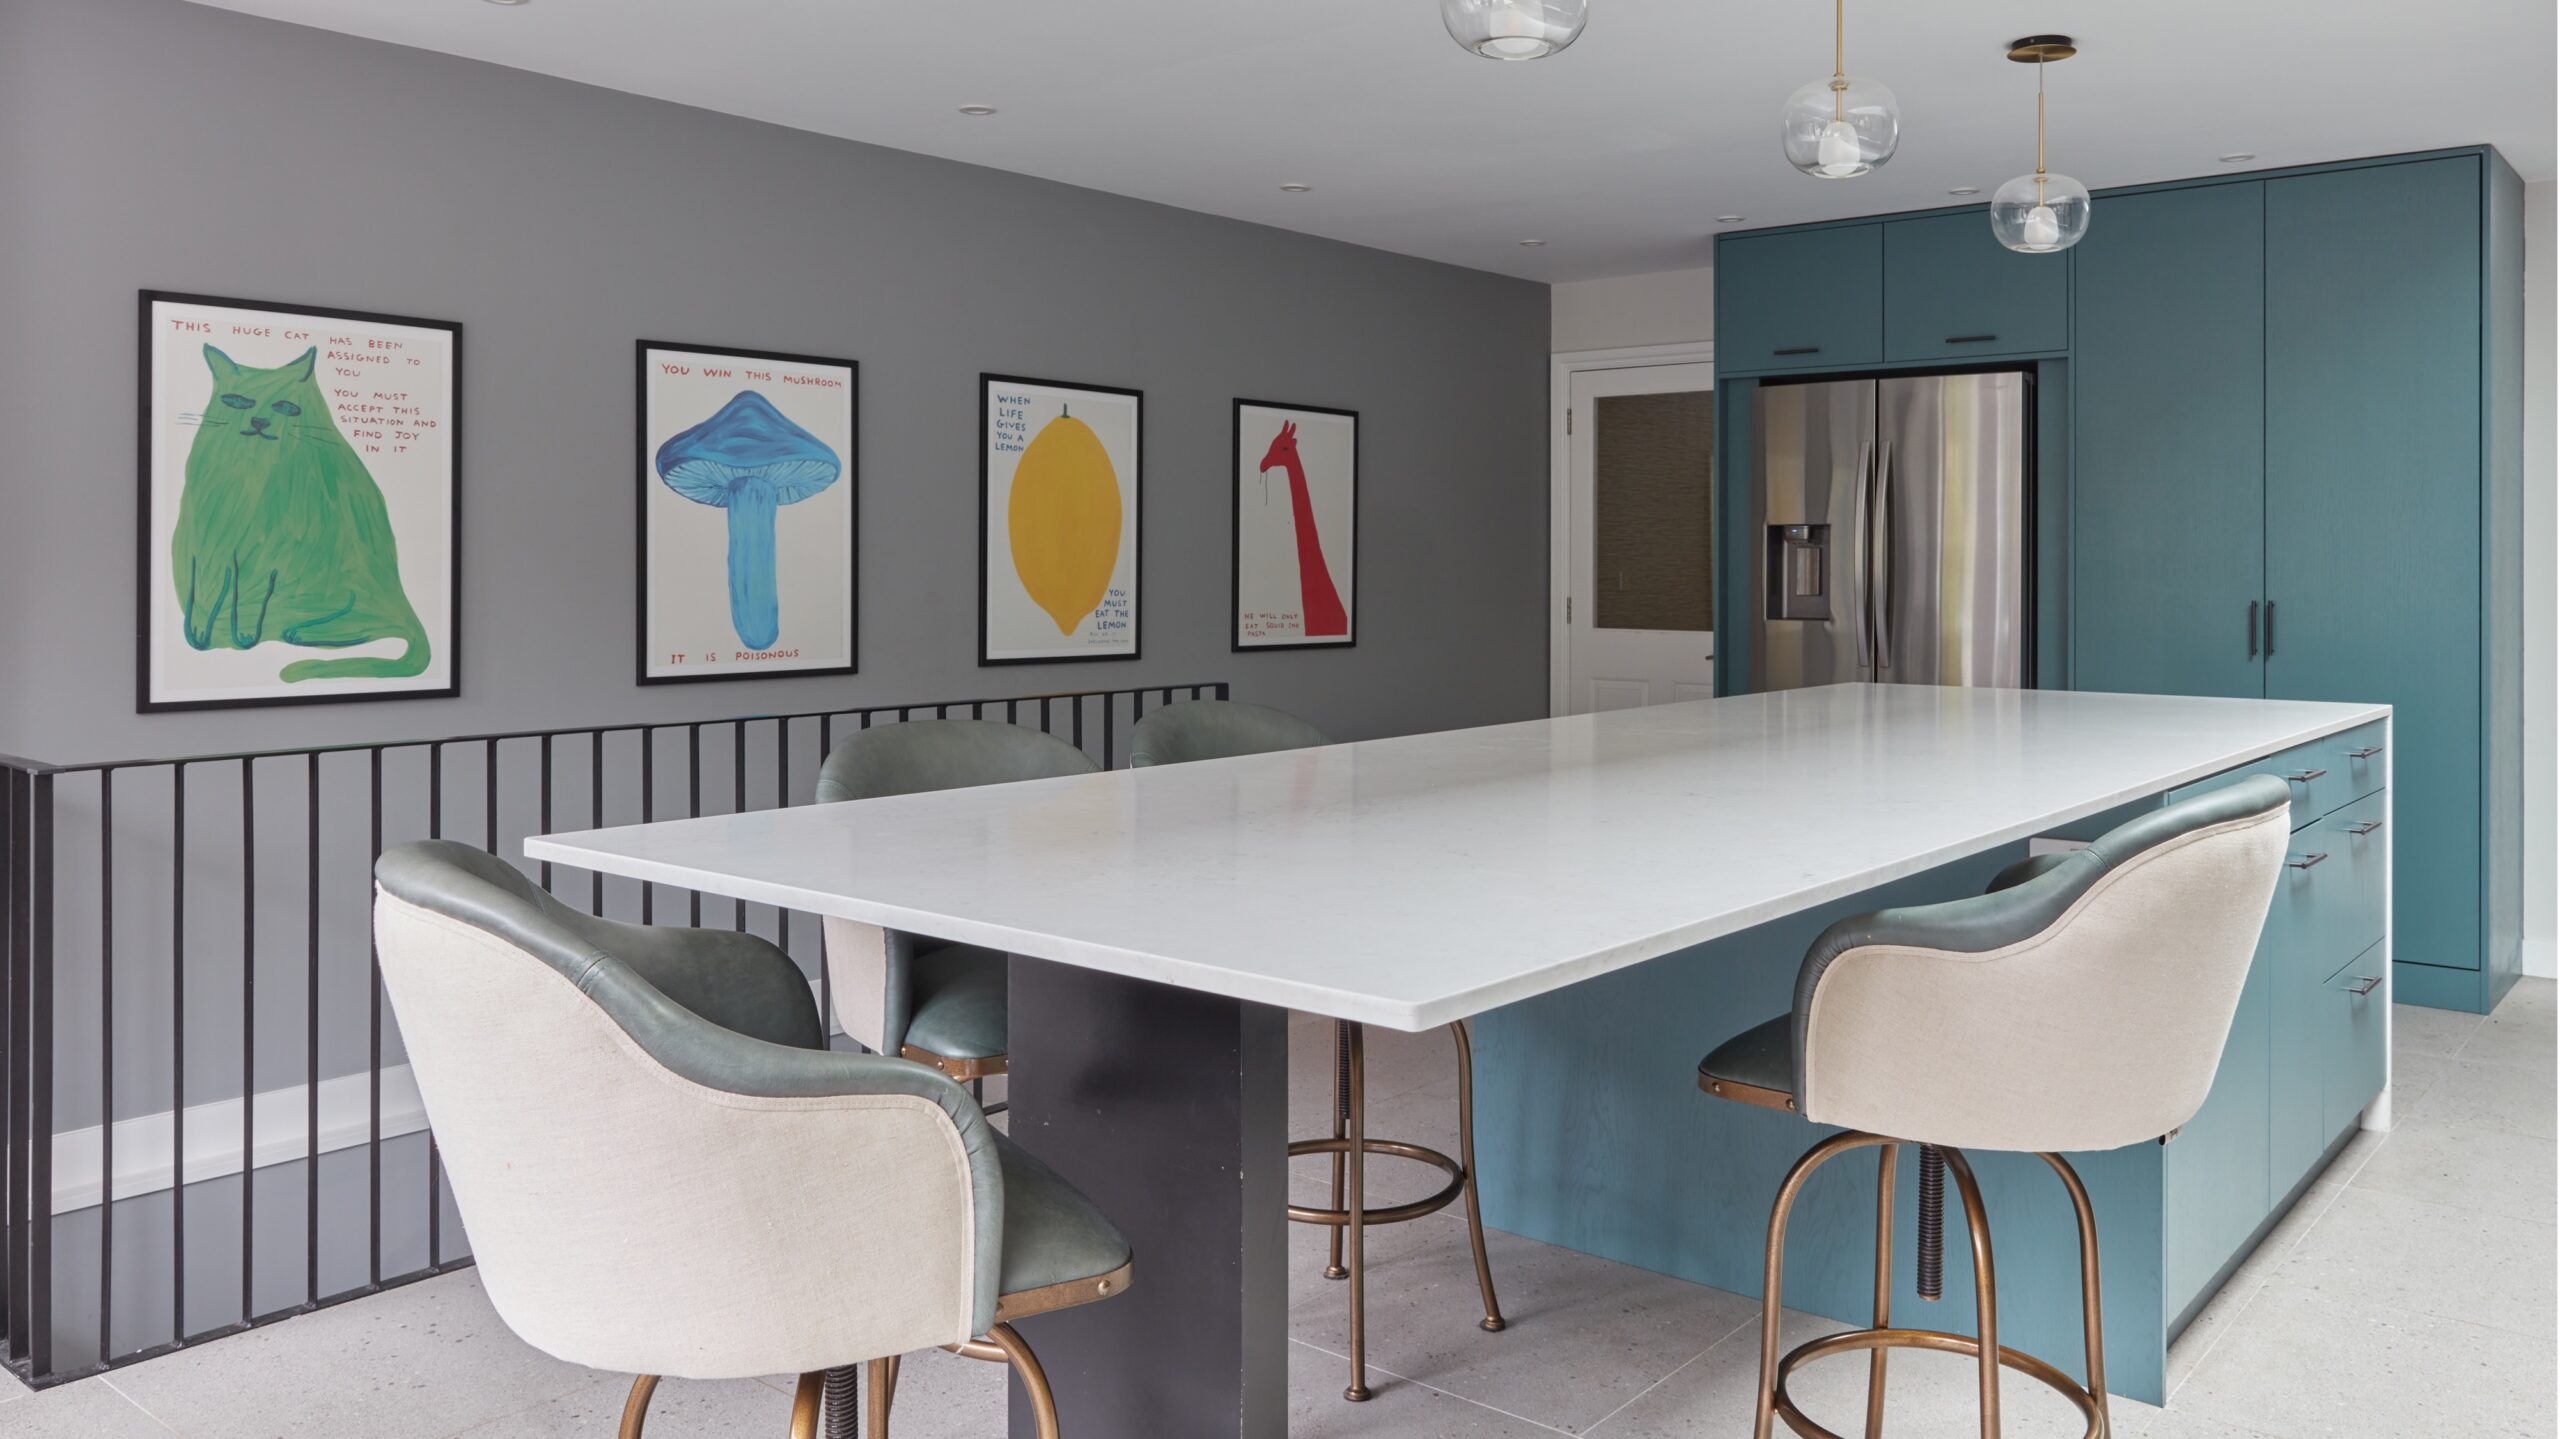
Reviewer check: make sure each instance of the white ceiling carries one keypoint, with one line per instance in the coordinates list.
(1619, 153)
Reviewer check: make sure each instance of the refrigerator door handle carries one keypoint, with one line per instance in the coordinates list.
(1880, 566)
(1866, 555)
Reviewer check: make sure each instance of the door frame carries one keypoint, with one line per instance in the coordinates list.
(1561, 368)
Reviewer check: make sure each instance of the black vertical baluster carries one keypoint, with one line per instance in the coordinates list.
(826, 985)
(693, 798)
(178, 1050)
(977, 709)
(1013, 711)
(782, 800)
(1106, 736)
(40, 1090)
(648, 739)
(595, 815)
(1168, 694)
(435, 1166)
(738, 800)
(13, 939)
(311, 1041)
(942, 711)
(1075, 719)
(248, 1034)
(1044, 714)
(435, 791)
(373, 1064)
(542, 823)
(106, 1063)
(489, 797)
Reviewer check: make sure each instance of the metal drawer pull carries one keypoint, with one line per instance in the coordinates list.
(1799, 350)
(1970, 339)
(2304, 776)
(2303, 861)
(2364, 985)
(2368, 752)
(2366, 828)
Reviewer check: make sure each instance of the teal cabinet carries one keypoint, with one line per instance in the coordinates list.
(2355, 1052)
(1953, 293)
(1800, 300)
(2167, 486)
(2373, 503)
(2214, 1174)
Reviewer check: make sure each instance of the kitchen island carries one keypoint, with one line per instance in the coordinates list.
(1609, 896)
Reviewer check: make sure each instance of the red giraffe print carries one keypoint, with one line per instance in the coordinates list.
(1316, 596)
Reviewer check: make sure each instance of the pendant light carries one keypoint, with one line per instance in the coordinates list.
(1515, 29)
(2041, 213)
(1840, 128)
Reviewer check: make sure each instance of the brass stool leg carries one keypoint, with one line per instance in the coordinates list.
(1986, 1302)
(884, 1390)
(1885, 1155)
(1772, 1274)
(1341, 1115)
(806, 1401)
(1492, 1322)
(2090, 1322)
(1035, 1381)
(635, 1410)
(1355, 1204)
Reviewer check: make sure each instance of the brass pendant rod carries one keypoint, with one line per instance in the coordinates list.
(1839, 56)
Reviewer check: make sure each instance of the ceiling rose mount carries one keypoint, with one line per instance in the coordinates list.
(2042, 49)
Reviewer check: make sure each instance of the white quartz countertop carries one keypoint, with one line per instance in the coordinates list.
(1413, 881)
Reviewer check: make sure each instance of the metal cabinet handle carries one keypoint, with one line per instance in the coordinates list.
(2366, 828)
(2303, 861)
(2368, 752)
(1799, 350)
(1970, 339)
(2363, 984)
(2253, 629)
(2304, 776)
(2271, 629)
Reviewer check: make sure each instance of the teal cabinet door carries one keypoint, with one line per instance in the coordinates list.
(2214, 1173)
(2168, 487)
(2298, 965)
(1810, 300)
(1952, 292)
(2373, 500)
(2352, 1067)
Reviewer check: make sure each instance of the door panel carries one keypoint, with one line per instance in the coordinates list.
(1642, 507)
(1951, 578)
(2168, 483)
(2373, 500)
(1949, 296)
(1811, 515)
(1808, 300)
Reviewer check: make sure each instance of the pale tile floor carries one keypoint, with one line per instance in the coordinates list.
(2412, 1293)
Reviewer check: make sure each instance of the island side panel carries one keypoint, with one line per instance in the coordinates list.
(1591, 1133)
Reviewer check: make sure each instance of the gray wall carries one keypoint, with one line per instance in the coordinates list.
(149, 143)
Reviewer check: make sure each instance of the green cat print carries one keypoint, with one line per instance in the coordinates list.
(282, 533)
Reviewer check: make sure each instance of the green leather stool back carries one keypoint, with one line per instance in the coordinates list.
(922, 755)
(1216, 729)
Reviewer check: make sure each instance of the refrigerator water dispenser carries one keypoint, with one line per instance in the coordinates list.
(1799, 571)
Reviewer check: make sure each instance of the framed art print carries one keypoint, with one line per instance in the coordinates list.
(748, 514)
(1058, 500)
(1297, 526)
(300, 499)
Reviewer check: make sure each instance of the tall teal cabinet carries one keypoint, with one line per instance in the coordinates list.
(2282, 428)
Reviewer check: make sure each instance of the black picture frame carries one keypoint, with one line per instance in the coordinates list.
(146, 526)
(643, 475)
(1235, 528)
(987, 381)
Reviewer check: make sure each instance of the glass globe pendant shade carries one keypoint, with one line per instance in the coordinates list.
(1515, 29)
(1840, 128)
(2041, 213)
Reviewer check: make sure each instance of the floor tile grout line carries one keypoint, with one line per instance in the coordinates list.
(1376, 1368)
(1676, 1370)
(108, 1383)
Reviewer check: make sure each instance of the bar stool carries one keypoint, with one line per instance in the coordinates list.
(1219, 729)
(2081, 1004)
(925, 999)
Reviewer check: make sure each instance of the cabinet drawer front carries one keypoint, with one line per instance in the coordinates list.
(1953, 292)
(2353, 1054)
(1812, 300)
(2356, 875)
(2324, 774)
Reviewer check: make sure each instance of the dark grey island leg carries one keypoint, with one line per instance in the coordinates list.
(1170, 1108)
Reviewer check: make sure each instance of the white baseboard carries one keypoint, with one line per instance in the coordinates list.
(144, 1142)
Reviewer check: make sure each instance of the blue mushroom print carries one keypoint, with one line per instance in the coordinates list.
(749, 460)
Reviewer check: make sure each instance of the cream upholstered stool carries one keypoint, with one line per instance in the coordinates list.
(1217, 729)
(664, 1172)
(2081, 1004)
(924, 999)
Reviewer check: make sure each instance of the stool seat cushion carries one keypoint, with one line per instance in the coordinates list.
(1053, 1234)
(959, 1002)
(1763, 1056)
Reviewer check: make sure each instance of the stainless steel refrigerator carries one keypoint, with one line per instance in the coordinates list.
(1890, 524)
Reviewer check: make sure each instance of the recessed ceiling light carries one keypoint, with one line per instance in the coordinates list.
(1966, 190)
(2238, 157)
(1296, 187)
(510, 3)
(1531, 244)
(978, 111)
(1730, 219)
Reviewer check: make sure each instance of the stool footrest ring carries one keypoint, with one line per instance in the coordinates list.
(1855, 1340)
(1390, 1214)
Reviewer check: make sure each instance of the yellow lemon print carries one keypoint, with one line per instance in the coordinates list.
(1064, 519)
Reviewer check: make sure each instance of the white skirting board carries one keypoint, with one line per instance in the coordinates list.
(145, 1142)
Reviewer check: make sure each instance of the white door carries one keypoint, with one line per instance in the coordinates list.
(1640, 504)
